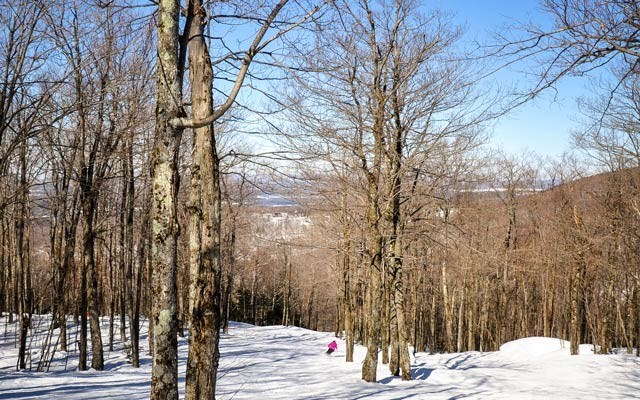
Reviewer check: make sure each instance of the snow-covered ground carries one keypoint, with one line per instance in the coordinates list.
(289, 363)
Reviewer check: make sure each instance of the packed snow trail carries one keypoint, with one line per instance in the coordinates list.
(279, 362)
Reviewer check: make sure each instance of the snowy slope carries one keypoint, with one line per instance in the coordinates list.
(289, 363)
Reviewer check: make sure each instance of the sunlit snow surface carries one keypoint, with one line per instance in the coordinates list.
(289, 363)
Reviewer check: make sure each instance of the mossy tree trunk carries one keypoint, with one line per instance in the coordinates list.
(164, 181)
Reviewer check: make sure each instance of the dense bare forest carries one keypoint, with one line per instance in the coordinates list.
(317, 164)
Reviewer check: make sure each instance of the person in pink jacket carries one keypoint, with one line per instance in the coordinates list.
(333, 346)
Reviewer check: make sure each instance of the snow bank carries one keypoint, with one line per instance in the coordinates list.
(533, 348)
(537, 347)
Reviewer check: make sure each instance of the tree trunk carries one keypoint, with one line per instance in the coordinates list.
(114, 288)
(164, 183)
(575, 335)
(385, 325)
(4, 304)
(448, 308)
(400, 351)
(97, 357)
(123, 250)
(446, 297)
(82, 360)
(471, 312)
(231, 262)
(310, 305)
(67, 265)
(134, 318)
(134, 278)
(287, 292)
(204, 289)
(405, 361)
(22, 258)
(460, 330)
(347, 310)
(394, 360)
(372, 319)
(254, 300)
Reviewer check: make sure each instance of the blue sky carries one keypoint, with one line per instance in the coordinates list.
(544, 125)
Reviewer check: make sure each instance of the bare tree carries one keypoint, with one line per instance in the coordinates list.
(164, 381)
(205, 201)
(585, 37)
(25, 95)
(610, 133)
(381, 101)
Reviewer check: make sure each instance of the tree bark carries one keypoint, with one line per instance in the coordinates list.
(448, 307)
(205, 203)
(575, 335)
(164, 183)
(97, 357)
(231, 262)
(133, 277)
(372, 319)
(385, 323)
(373, 216)
(287, 291)
(82, 358)
(22, 258)
(347, 309)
